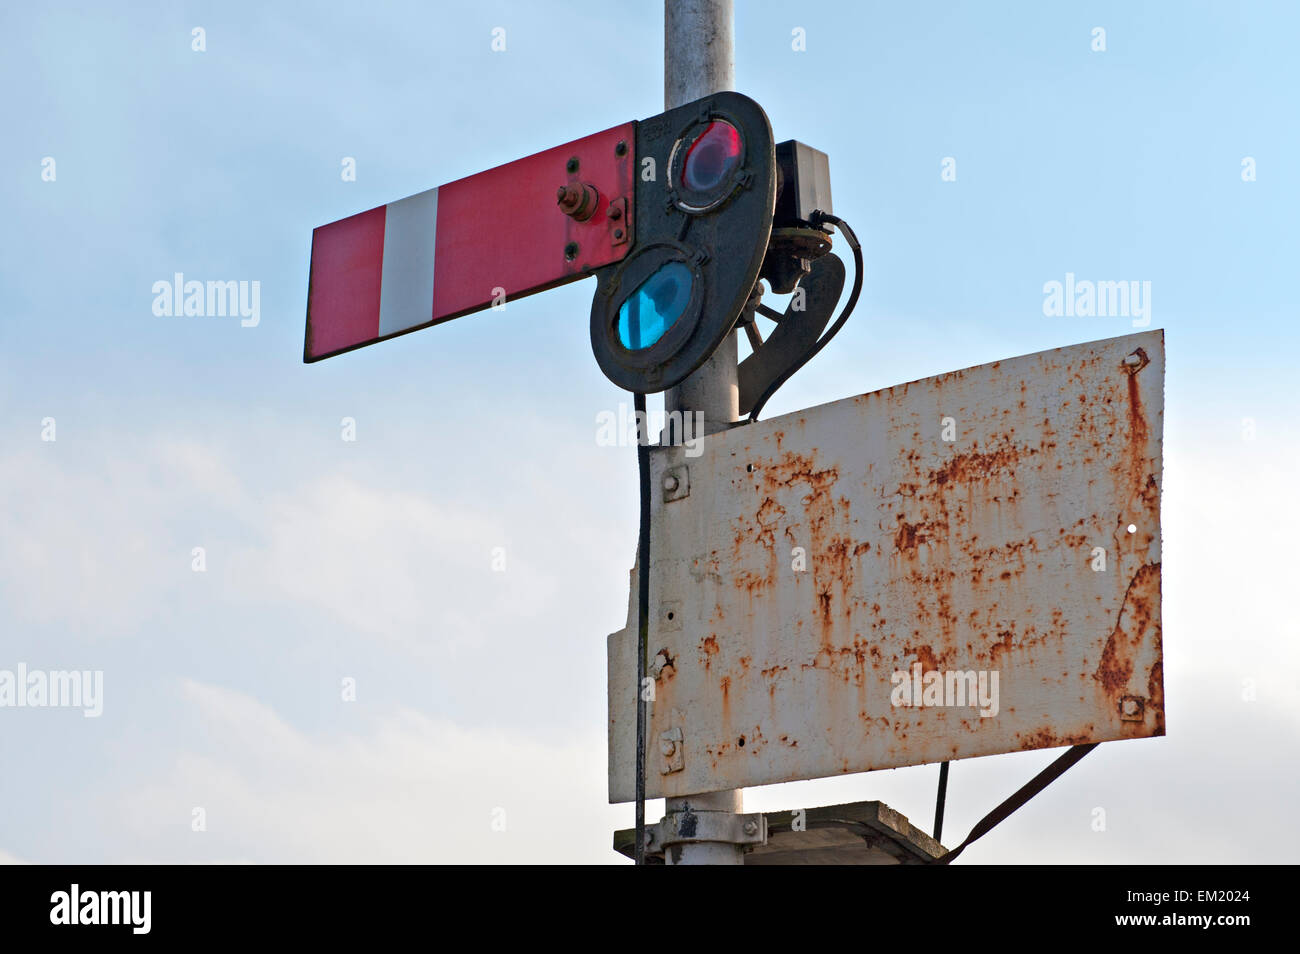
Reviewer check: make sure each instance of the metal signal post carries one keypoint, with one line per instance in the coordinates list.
(699, 59)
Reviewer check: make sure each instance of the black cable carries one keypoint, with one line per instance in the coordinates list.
(938, 803)
(818, 218)
(643, 613)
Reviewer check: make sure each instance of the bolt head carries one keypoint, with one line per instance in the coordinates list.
(751, 827)
(667, 747)
(569, 197)
(671, 483)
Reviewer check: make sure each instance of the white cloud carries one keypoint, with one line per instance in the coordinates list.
(387, 563)
(402, 788)
(82, 545)
(102, 540)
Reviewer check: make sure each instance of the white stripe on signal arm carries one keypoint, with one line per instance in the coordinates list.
(406, 285)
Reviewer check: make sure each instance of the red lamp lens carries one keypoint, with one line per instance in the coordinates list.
(712, 157)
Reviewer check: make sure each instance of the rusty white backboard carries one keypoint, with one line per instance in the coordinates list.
(806, 568)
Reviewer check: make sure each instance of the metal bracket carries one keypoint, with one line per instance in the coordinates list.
(1136, 361)
(682, 827)
(795, 333)
(619, 224)
(671, 747)
(677, 483)
(1132, 709)
(661, 662)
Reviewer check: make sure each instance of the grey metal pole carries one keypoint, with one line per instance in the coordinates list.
(699, 59)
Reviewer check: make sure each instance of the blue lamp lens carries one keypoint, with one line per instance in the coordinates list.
(654, 307)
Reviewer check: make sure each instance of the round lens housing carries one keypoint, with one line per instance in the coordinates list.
(654, 306)
(712, 158)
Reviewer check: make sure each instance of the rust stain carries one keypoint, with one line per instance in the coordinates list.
(908, 535)
(974, 465)
(827, 621)
(1136, 619)
(1002, 645)
(768, 516)
(837, 556)
(1156, 694)
(753, 583)
(708, 649)
(670, 663)
(1137, 418)
(1047, 739)
(925, 656)
(832, 555)
(798, 468)
(1144, 494)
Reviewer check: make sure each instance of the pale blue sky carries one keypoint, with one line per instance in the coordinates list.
(370, 559)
